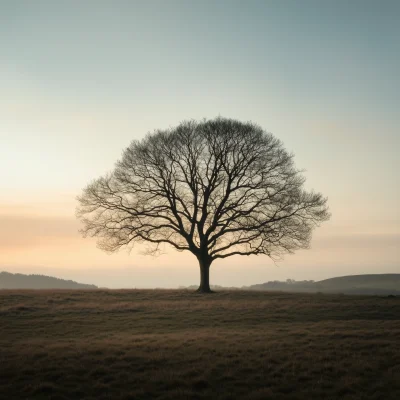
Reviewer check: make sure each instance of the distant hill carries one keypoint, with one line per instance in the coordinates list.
(373, 284)
(21, 281)
(378, 284)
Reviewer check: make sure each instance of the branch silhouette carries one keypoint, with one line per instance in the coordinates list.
(216, 188)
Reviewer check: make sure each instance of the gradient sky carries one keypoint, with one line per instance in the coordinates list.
(80, 79)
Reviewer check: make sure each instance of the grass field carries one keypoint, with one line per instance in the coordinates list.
(170, 344)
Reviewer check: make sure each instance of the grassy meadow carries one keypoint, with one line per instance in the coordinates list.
(171, 344)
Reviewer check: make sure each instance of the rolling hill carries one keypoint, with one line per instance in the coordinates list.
(374, 284)
(371, 284)
(21, 281)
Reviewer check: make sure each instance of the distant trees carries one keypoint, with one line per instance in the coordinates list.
(216, 188)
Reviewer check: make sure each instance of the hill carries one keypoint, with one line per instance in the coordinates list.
(374, 284)
(21, 281)
(382, 281)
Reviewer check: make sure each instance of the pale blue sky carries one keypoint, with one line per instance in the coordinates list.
(80, 79)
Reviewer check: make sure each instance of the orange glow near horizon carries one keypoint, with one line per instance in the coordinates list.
(47, 240)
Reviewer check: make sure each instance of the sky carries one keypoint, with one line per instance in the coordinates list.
(79, 80)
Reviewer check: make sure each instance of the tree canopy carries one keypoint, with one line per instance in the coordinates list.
(216, 188)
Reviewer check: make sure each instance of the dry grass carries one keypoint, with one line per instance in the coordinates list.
(164, 344)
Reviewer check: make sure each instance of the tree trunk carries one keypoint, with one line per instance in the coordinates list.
(204, 276)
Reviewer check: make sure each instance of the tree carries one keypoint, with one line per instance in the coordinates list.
(216, 188)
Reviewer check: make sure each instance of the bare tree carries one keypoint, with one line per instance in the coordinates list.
(216, 188)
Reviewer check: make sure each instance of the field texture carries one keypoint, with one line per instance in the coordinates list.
(143, 344)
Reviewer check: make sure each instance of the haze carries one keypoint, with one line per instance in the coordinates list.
(80, 80)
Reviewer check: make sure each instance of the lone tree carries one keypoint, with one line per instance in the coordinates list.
(216, 188)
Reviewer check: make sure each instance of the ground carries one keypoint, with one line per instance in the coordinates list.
(170, 344)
